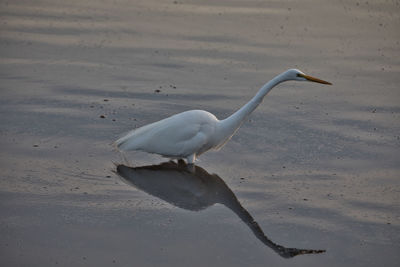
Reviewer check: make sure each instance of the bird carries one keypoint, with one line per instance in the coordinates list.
(189, 134)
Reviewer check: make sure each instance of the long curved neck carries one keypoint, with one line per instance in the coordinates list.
(233, 122)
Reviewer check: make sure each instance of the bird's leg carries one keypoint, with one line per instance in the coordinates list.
(191, 159)
(191, 168)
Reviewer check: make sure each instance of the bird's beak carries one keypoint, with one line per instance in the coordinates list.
(313, 79)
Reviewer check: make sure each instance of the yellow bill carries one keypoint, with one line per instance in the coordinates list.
(313, 79)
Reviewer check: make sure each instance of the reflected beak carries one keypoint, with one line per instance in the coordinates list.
(313, 79)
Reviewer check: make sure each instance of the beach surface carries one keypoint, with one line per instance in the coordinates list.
(314, 167)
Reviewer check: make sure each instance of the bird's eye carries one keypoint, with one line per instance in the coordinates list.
(298, 75)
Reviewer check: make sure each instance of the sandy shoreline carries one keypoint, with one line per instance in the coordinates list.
(316, 167)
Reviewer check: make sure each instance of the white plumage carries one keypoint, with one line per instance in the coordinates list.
(177, 136)
(191, 133)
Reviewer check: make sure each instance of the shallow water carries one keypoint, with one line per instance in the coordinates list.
(316, 167)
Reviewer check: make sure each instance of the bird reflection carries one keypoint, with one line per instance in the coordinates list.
(193, 188)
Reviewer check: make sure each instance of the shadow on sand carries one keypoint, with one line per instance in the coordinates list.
(193, 188)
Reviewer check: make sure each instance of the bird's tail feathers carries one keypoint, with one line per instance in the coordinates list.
(120, 144)
(125, 142)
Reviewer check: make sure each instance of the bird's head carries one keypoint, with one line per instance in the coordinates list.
(297, 75)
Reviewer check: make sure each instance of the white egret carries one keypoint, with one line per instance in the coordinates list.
(189, 134)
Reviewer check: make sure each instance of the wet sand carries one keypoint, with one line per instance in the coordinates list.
(314, 167)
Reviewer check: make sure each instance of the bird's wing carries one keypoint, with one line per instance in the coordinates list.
(175, 139)
(177, 136)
